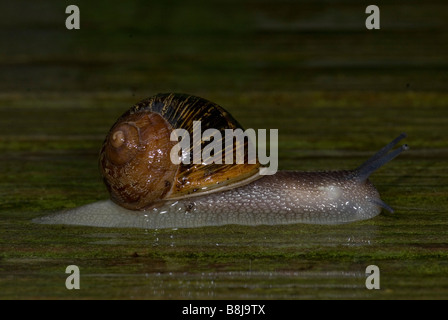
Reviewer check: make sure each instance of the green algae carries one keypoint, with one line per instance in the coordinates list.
(295, 261)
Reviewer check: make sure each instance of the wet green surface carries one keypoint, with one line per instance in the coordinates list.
(336, 92)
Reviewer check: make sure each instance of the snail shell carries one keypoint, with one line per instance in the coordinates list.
(135, 157)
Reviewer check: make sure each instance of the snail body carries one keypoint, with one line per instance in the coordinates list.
(194, 195)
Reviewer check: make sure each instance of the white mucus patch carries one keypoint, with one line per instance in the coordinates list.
(331, 192)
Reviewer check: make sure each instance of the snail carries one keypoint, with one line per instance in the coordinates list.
(147, 190)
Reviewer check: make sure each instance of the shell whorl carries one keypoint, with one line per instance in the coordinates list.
(135, 163)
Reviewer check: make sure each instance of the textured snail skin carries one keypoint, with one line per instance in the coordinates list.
(284, 198)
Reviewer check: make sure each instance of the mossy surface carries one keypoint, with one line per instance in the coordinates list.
(336, 92)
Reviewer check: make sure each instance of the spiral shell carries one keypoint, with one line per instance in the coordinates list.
(135, 156)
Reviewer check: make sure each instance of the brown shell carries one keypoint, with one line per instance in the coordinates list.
(135, 157)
